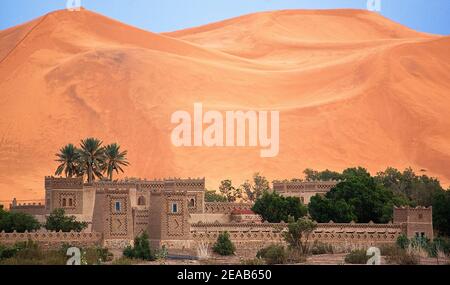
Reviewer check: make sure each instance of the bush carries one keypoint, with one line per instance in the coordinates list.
(96, 255)
(321, 248)
(224, 246)
(357, 256)
(403, 257)
(141, 249)
(273, 254)
(275, 208)
(402, 241)
(19, 222)
(29, 253)
(58, 221)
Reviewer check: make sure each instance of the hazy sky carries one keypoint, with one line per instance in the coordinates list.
(431, 16)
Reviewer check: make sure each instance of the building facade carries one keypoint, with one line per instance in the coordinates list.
(174, 214)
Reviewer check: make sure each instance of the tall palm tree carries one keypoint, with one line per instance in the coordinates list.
(114, 159)
(68, 158)
(92, 158)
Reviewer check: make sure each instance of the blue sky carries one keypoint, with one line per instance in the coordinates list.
(168, 15)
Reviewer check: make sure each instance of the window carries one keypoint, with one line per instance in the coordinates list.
(70, 202)
(118, 206)
(141, 201)
(64, 202)
(174, 208)
(192, 203)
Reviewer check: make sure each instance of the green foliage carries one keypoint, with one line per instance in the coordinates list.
(321, 248)
(419, 190)
(275, 208)
(224, 246)
(141, 249)
(441, 212)
(29, 253)
(358, 197)
(326, 175)
(58, 221)
(91, 159)
(402, 241)
(231, 193)
(298, 232)
(212, 196)
(357, 256)
(96, 255)
(273, 254)
(114, 159)
(19, 222)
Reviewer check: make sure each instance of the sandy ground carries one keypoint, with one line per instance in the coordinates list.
(353, 88)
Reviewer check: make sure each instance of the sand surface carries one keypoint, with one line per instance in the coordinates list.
(352, 87)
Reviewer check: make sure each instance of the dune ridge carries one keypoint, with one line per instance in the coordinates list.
(353, 88)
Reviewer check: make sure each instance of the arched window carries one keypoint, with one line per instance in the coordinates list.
(70, 202)
(141, 201)
(192, 203)
(64, 202)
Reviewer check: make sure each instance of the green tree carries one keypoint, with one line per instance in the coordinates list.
(141, 249)
(114, 159)
(92, 158)
(326, 175)
(441, 212)
(419, 190)
(58, 221)
(227, 189)
(19, 222)
(68, 157)
(358, 197)
(260, 185)
(224, 246)
(275, 208)
(212, 196)
(248, 192)
(298, 234)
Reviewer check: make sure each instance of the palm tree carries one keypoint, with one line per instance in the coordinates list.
(92, 158)
(114, 159)
(68, 158)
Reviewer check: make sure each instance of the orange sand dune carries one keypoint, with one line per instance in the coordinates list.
(353, 89)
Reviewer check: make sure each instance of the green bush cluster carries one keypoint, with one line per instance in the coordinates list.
(321, 248)
(357, 256)
(141, 249)
(273, 254)
(19, 222)
(224, 246)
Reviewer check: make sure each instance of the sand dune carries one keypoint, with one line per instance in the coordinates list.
(353, 88)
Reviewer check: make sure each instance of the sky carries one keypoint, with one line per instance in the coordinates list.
(430, 16)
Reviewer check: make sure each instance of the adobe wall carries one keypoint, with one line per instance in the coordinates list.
(249, 238)
(304, 190)
(53, 240)
(225, 208)
(417, 221)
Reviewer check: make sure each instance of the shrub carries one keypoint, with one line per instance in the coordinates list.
(19, 222)
(29, 253)
(321, 248)
(96, 255)
(403, 257)
(141, 249)
(402, 241)
(357, 256)
(224, 246)
(273, 254)
(58, 221)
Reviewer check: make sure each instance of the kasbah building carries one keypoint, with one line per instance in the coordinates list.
(175, 215)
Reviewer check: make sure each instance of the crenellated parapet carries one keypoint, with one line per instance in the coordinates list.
(225, 208)
(63, 183)
(305, 186)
